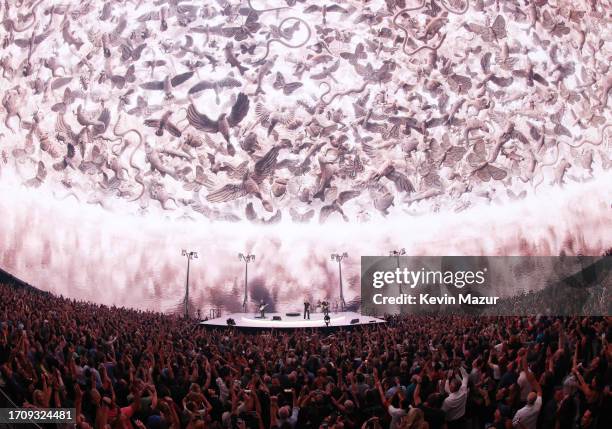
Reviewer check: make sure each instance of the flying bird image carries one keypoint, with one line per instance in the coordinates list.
(163, 124)
(168, 83)
(359, 112)
(224, 122)
(217, 85)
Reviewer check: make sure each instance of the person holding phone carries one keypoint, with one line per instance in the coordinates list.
(289, 414)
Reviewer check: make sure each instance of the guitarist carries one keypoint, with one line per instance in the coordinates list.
(262, 309)
(325, 308)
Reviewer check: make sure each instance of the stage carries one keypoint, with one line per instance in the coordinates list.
(294, 321)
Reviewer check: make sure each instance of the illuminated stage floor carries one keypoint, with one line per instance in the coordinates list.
(252, 321)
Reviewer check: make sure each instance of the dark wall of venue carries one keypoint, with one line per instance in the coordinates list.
(8, 278)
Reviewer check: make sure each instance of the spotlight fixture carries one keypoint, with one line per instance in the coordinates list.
(397, 254)
(249, 257)
(339, 257)
(189, 255)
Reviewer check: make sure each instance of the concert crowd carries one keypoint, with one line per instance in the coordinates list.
(127, 369)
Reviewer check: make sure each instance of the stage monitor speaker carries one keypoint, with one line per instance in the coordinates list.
(354, 321)
(293, 314)
(276, 318)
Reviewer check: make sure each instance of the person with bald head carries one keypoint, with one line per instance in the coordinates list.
(288, 414)
(527, 417)
(454, 403)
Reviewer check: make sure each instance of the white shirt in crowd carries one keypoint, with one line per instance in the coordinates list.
(528, 415)
(474, 375)
(396, 416)
(496, 371)
(223, 390)
(293, 418)
(454, 404)
(524, 385)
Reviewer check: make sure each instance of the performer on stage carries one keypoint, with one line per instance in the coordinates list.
(306, 309)
(262, 309)
(325, 308)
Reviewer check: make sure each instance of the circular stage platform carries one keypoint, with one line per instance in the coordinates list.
(295, 321)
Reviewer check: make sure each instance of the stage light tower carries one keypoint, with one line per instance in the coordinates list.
(397, 254)
(246, 258)
(189, 255)
(339, 257)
